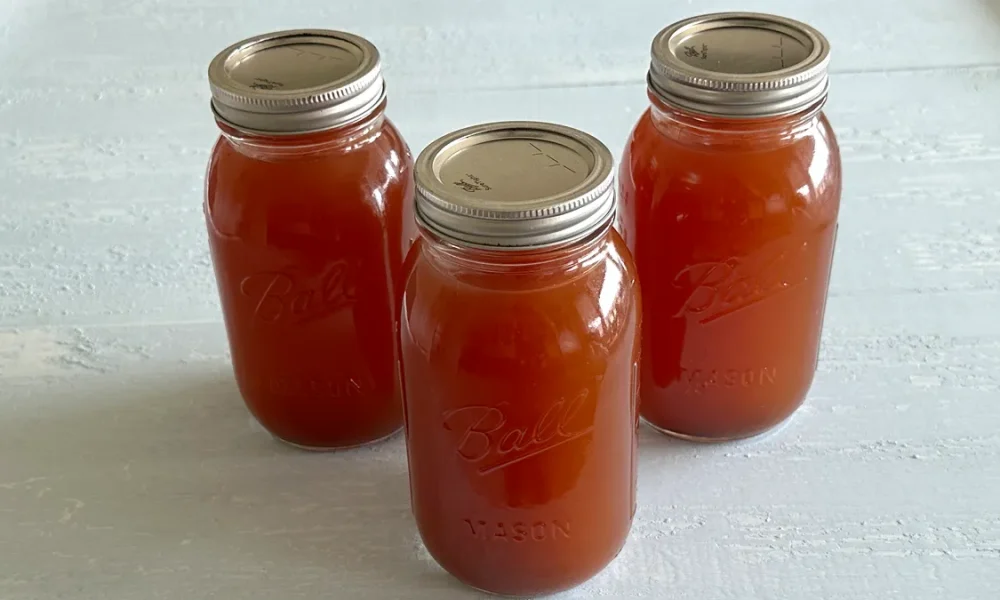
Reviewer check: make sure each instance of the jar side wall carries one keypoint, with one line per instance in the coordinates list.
(733, 238)
(520, 430)
(308, 253)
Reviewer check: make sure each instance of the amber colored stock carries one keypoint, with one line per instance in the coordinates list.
(520, 406)
(732, 226)
(307, 238)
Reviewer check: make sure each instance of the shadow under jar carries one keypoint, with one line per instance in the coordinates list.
(520, 335)
(729, 191)
(307, 195)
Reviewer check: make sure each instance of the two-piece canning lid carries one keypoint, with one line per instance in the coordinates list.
(515, 185)
(740, 64)
(296, 81)
(520, 184)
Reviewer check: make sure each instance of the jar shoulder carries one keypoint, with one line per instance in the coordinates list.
(371, 179)
(728, 173)
(651, 145)
(560, 313)
(373, 162)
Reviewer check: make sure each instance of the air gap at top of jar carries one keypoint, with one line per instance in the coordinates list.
(520, 335)
(729, 193)
(308, 192)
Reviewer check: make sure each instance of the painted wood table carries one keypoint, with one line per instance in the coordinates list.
(129, 468)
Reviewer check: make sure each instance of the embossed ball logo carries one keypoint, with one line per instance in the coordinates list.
(281, 297)
(714, 290)
(492, 440)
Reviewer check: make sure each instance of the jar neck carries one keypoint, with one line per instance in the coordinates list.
(339, 140)
(576, 257)
(695, 128)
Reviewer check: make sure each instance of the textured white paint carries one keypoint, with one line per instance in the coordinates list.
(129, 468)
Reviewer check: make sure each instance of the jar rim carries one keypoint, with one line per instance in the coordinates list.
(739, 65)
(296, 81)
(514, 185)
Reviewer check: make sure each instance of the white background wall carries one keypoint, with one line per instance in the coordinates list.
(129, 468)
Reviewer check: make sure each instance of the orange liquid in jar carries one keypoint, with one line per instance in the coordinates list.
(732, 225)
(521, 415)
(307, 238)
(520, 364)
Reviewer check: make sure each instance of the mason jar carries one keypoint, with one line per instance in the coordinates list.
(520, 335)
(308, 202)
(729, 191)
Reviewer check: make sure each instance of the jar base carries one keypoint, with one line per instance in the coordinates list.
(551, 592)
(751, 437)
(319, 449)
(515, 596)
(538, 595)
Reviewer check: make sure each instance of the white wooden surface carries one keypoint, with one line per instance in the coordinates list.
(130, 470)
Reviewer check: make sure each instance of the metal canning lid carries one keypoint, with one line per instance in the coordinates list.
(296, 81)
(740, 64)
(515, 185)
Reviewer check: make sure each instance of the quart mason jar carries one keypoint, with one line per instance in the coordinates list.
(729, 193)
(308, 196)
(520, 335)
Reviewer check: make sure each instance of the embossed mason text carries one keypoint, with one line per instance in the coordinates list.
(518, 531)
(700, 380)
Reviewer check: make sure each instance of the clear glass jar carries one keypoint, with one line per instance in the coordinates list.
(729, 191)
(520, 335)
(308, 193)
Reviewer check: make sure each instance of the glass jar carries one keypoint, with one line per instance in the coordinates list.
(520, 335)
(729, 190)
(308, 192)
